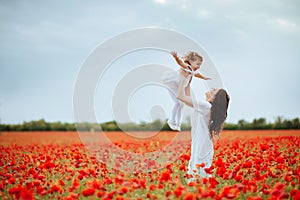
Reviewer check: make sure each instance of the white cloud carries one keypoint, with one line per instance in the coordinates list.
(204, 13)
(284, 25)
(161, 1)
(180, 5)
(263, 21)
(184, 7)
(224, 2)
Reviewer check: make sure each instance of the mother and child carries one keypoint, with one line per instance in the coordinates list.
(208, 117)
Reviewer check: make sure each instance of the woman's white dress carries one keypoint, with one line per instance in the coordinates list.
(201, 145)
(202, 150)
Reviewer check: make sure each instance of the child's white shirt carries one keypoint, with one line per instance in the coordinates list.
(172, 79)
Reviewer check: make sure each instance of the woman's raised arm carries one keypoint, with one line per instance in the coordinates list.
(181, 92)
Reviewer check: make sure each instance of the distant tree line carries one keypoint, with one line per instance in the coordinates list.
(39, 125)
(261, 123)
(42, 125)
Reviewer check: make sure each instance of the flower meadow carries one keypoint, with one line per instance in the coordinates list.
(56, 165)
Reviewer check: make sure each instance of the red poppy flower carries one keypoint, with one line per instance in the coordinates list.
(88, 192)
(165, 176)
(188, 196)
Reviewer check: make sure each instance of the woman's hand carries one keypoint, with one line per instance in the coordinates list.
(184, 73)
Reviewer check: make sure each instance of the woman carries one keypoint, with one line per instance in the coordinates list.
(206, 121)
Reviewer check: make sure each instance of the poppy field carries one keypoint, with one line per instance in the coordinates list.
(56, 165)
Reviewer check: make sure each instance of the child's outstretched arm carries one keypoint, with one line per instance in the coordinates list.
(198, 75)
(179, 61)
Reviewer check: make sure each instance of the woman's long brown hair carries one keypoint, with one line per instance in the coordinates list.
(218, 113)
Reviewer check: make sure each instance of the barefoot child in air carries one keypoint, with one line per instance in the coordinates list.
(190, 64)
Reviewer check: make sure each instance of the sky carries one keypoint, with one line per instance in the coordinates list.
(253, 44)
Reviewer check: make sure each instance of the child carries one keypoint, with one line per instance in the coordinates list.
(190, 64)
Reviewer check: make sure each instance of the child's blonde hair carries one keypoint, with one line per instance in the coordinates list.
(191, 55)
